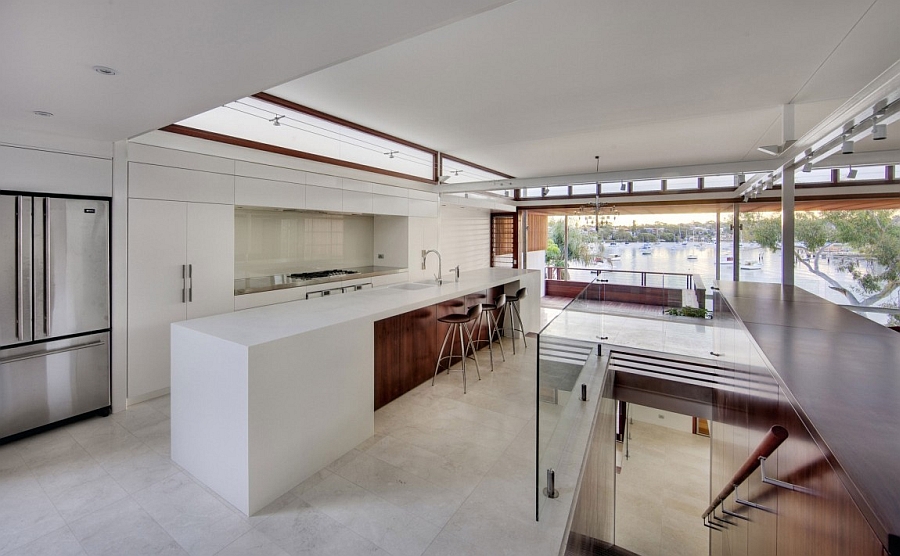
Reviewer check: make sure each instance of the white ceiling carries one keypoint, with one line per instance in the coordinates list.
(530, 88)
(539, 87)
(178, 58)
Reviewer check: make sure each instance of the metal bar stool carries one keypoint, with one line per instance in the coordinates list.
(515, 317)
(458, 322)
(489, 312)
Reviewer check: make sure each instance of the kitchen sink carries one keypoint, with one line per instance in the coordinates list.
(413, 286)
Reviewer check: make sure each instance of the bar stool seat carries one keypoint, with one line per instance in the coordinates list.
(458, 323)
(489, 312)
(515, 316)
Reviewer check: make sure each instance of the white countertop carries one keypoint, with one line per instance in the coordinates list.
(273, 322)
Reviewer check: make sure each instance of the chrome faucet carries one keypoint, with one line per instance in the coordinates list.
(438, 278)
(456, 272)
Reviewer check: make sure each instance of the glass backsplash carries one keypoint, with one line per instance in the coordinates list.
(269, 241)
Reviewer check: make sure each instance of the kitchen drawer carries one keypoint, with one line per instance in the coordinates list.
(259, 299)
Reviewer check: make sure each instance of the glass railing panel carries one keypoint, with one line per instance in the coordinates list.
(565, 346)
(572, 348)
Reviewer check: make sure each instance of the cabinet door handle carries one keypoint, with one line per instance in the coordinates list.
(47, 269)
(20, 264)
(184, 283)
(191, 286)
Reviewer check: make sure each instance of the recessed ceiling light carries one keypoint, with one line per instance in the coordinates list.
(103, 70)
(43, 113)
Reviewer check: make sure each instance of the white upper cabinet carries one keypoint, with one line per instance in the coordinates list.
(324, 198)
(390, 205)
(255, 192)
(147, 181)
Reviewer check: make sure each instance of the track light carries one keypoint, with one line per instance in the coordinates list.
(742, 179)
(807, 167)
(847, 146)
(851, 173)
(623, 187)
(879, 132)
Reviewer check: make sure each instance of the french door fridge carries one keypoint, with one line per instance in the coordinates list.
(54, 309)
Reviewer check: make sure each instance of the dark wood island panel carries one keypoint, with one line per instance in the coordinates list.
(407, 345)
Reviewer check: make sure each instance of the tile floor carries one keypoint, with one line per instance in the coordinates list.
(445, 473)
(662, 491)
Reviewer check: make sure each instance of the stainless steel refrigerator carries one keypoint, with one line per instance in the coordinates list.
(54, 309)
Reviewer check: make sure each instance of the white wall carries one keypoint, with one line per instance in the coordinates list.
(660, 417)
(465, 237)
(537, 260)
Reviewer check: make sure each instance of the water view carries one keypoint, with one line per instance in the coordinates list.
(700, 258)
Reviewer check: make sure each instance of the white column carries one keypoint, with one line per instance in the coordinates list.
(787, 201)
(787, 228)
(736, 242)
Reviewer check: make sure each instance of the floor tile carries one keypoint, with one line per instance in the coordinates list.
(124, 528)
(194, 518)
(58, 543)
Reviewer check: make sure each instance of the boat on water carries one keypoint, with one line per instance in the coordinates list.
(727, 259)
(692, 257)
(615, 257)
(646, 250)
(751, 265)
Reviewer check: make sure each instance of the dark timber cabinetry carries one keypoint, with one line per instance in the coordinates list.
(407, 345)
(825, 375)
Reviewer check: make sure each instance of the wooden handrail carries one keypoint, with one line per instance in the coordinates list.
(773, 439)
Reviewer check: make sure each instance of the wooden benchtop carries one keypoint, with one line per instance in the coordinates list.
(841, 373)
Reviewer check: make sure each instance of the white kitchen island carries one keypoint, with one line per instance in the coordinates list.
(264, 398)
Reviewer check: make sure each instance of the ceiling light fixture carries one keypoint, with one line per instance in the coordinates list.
(742, 179)
(879, 131)
(623, 187)
(851, 173)
(847, 147)
(807, 167)
(390, 154)
(104, 70)
(276, 121)
(43, 113)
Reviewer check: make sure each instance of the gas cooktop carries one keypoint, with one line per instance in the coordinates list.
(321, 274)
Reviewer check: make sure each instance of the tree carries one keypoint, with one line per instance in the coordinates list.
(578, 242)
(875, 234)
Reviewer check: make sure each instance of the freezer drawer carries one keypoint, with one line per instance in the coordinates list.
(44, 383)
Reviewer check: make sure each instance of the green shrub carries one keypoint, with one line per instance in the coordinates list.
(697, 312)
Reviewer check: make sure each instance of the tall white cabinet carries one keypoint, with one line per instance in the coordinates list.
(180, 266)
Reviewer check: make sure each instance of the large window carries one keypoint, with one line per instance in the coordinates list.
(266, 123)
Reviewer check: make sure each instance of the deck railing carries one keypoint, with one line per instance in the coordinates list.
(642, 278)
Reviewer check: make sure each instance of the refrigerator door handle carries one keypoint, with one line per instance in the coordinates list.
(36, 354)
(20, 264)
(184, 283)
(47, 281)
(191, 286)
